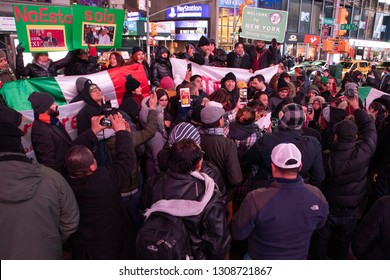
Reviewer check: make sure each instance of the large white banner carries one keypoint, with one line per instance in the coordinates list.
(212, 75)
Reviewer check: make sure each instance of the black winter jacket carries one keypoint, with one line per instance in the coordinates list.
(33, 69)
(209, 231)
(161, 68)
(312, 170)
(235, 61)
(346, 165)
(82, 67)
(372, 237)
(50, 143)
(207, 167)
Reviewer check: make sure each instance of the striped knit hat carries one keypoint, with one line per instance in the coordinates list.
(183, 131)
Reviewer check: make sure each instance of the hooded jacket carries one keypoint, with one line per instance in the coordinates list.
(38, 210)
(208, 230)
(346, 165)
(161, 67)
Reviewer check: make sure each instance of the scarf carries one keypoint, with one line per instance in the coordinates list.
(47, 119)
(9, 71)
(182, 207)
(44, 65)
(212, 131)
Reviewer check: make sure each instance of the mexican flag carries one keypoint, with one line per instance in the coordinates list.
(368, 94)
(63, 89)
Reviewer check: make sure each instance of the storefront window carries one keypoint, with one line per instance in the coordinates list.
(362, 25)
(305, 16)
(316, 18)
(355, 19)
(293, 16)
(328, 9)
(378, 26)
(225, 29)
(369, 24)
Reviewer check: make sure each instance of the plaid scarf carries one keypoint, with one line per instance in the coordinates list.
(9, 71)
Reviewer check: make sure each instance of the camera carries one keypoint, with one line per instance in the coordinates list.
(349, 93)
(106, 120)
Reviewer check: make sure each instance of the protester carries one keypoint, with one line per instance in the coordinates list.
(182, 183)
(38, 210)
(280, 219)
(84, 62)
(138, 57)
(290, 126)
(203, 49)
(161, 66)
(6, 72)
(105, 230)
(49, 137)
(191, 55)
(96, 105)
(222, 152)
(260, 56)
(218, 56)
(131, 102)
(238, 58)
(115, 60)
(345, 185)
(41, 66)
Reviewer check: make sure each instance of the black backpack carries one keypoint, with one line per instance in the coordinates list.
(163, 237)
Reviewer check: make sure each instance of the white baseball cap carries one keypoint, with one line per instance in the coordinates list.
(286, 156)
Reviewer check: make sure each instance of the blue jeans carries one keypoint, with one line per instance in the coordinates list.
(335, 237)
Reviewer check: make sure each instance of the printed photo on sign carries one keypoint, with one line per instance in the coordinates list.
(98, 34)
(47, 39)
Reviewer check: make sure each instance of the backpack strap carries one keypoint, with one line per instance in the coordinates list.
(184, 208)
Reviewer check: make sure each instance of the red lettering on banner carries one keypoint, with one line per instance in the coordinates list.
(31, 16)
(99, 17)
(18, 13)
(88, 15)
(217, 85)
(68, 19)
(42, 16)
(207, 80)
(73, 122)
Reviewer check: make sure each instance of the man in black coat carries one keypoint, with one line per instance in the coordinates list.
(290, 126)
(105, 230)
(346, 166)
(204, 216)
(49, 138)
(238, 58)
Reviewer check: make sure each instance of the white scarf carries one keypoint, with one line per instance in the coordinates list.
(182, 207)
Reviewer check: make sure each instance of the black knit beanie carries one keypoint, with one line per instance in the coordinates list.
(40, 101)
(131, 84)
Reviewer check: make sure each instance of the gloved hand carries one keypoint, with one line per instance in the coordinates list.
(92, 50)
(19, 48)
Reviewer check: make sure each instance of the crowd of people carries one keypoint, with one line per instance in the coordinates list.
(297, 170)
